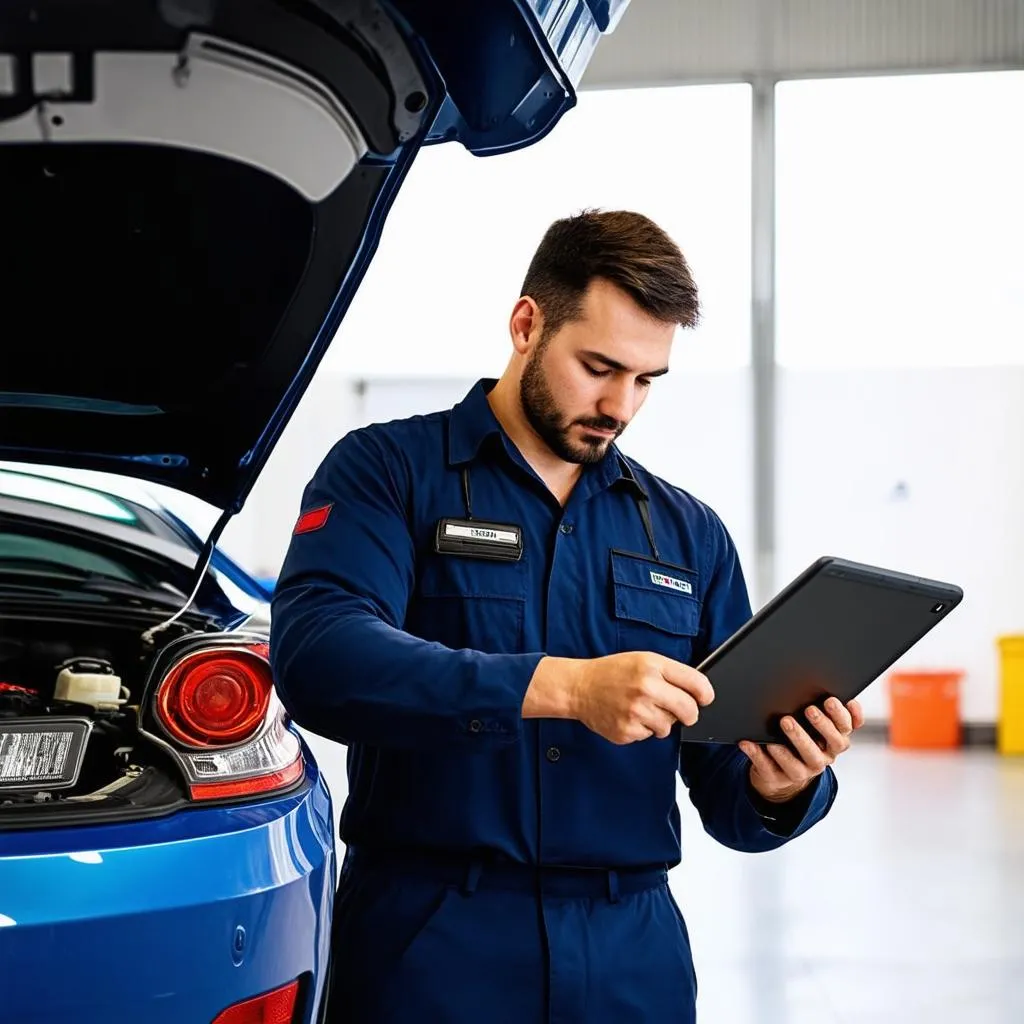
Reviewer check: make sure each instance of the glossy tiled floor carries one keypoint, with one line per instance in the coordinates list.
(905, 905)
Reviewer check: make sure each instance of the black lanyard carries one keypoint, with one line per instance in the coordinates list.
(643, 505)
(465, 492)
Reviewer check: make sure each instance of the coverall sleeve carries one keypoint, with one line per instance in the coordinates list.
(343, 666)
(718, 775)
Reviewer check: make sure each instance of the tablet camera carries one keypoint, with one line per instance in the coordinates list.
(938, 608)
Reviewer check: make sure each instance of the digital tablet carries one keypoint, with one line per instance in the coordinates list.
(834, 630)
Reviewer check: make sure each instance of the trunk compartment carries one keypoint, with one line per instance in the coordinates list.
(122, 774)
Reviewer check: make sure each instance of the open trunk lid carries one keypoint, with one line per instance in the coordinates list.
(191, 190)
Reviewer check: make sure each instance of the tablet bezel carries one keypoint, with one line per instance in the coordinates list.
(838, 568)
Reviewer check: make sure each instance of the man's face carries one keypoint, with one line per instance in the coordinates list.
(583, 384)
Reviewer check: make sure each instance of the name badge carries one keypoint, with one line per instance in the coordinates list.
(474, 538)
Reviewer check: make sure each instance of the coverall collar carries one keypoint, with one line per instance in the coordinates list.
(473, 422)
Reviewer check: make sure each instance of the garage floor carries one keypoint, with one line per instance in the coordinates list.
(905, 905)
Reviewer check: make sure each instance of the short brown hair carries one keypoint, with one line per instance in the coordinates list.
(627, 249)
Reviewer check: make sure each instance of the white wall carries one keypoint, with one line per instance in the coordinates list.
(436, 299)
(922, 471)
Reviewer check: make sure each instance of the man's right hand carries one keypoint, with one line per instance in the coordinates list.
(622, 697)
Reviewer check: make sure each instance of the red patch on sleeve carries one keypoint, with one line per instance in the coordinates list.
(314, 519)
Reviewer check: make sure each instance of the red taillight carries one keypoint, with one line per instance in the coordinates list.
(230, 734)
(277, 1007)
(215, 698)
(250, 786)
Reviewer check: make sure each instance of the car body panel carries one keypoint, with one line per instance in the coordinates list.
(142, 920)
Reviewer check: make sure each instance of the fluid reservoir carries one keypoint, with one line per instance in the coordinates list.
(90, 681)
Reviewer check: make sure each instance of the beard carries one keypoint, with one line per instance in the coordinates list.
(543, 414)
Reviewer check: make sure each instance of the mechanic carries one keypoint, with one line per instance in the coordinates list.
(497, 612)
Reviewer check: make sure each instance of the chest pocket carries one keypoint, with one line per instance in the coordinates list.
(656, 605)
(470, 603)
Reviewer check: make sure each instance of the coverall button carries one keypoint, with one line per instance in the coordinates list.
(553, 754)
(476, 725)
(566, 528)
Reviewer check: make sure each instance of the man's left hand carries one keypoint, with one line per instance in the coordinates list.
(778, 774)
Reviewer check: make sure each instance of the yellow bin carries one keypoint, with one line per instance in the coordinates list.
(1010, 730)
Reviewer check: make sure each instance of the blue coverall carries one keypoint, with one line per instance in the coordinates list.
(501, 869)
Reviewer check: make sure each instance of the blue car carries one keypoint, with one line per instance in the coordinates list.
(190, 193)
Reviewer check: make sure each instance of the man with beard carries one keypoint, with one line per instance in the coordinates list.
(497, 611)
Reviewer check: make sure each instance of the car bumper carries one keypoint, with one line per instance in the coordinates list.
(170, 920)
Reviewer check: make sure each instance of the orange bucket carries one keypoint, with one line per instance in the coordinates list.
(924, 709)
